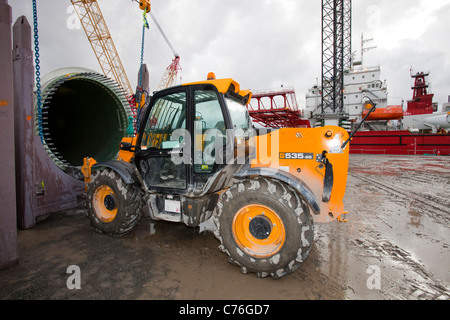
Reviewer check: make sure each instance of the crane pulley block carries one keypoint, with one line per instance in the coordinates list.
(145, 5)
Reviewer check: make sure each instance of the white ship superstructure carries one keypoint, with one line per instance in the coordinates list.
(358, 83)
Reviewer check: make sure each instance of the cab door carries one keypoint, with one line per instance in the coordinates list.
(181, 137)
(165, 131)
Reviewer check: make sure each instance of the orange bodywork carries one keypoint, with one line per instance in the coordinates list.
(295, 150)
(127, 155)
(86, 170)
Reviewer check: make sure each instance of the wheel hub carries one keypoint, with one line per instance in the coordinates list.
(109, 202)
(105, 204)
(258, 231)
(260, 227)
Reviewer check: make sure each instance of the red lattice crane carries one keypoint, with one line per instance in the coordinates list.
(170, 75)
(277, 108)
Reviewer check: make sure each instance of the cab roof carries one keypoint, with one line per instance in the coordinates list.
(226, 86)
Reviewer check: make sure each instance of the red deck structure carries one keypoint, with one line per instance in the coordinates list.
(400, 143)
(422, 100)
(405, 142)
(277, 108)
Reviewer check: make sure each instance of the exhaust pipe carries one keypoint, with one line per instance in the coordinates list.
(84, 114)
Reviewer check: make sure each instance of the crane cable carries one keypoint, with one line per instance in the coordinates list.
(139, 90)
(164, 36)
(144, 26)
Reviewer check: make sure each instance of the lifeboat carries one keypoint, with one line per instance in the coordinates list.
(388, 113)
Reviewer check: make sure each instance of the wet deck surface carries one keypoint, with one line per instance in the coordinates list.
(398, 225)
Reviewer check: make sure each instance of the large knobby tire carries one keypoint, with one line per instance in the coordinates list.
(113, 206)
(264, 227)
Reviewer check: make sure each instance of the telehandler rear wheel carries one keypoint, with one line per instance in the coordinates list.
(264, 227)
(113, 207)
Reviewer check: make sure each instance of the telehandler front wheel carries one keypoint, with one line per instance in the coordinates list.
(264, 227)
(113, 207)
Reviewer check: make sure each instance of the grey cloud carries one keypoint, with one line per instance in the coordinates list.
(260, 43)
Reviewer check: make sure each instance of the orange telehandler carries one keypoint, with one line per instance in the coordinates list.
(197, 156)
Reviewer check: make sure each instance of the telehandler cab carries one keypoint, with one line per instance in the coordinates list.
(196, 156)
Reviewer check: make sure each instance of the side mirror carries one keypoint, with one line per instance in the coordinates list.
(126, 146)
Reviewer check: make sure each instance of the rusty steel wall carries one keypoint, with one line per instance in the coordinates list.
(8, 229)
(33, 185)
(42, 187)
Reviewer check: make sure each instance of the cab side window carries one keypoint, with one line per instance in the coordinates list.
(209, 130)
(167, 115)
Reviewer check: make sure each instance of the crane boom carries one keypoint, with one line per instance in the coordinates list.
(164, 36)
(172, 70)
(97, 32)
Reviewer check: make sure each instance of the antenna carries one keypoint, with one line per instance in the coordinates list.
(364, 49)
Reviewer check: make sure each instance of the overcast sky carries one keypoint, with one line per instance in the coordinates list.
(260, 43)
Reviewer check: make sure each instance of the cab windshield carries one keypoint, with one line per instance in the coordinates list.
(239, 114)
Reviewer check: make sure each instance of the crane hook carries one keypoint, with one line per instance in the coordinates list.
(145, 5)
